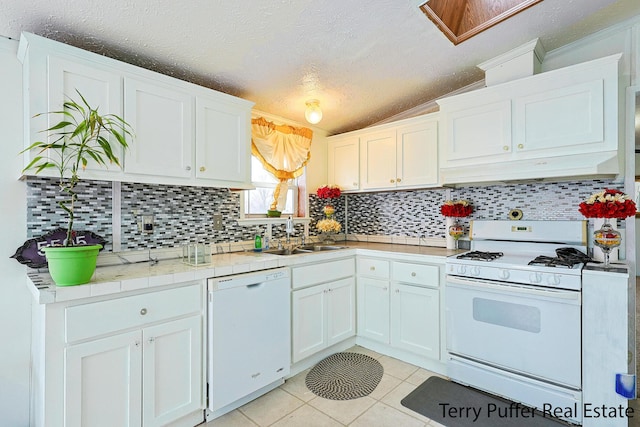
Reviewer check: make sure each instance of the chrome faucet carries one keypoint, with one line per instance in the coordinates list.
(289, 229)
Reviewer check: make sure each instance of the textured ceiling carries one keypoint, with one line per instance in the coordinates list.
(364, 61)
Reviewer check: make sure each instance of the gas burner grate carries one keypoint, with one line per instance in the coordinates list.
(567, 258)
(548, 261)
(480, 255)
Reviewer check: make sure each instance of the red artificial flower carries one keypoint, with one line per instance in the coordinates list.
(458, 208)
(327, 192)
(610, 203)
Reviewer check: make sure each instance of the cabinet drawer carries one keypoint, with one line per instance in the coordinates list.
(99, 318)
(322, 273)
(371, 267)
(420, 274)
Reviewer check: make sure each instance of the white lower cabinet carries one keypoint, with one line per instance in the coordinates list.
(323, 314)
(128, 361)
(399, 305)
(104, 382)
(415, 324)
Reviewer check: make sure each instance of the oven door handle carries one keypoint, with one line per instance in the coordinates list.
(514, 289)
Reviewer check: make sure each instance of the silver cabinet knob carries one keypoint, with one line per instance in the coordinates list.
(505, 148)
(152, 340)
(143, 311)
(187, 168)
(521, 146)
(372, 268)
(413, 274)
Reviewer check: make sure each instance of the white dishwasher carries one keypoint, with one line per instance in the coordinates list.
(249, 337)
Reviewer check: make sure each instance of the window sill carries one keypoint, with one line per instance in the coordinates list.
(265, 220)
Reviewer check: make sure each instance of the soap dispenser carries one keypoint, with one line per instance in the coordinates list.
(257, 243)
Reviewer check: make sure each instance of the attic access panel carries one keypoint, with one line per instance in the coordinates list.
(460, 20)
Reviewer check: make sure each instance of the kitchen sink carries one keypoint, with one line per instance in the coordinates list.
(315, 248)
(303, 249)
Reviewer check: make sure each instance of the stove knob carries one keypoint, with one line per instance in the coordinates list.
(504, 274)
(475, 271)
(462, 269)
(535, 277)
(553, 280)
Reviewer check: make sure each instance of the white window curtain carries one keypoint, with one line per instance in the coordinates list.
(283, 150)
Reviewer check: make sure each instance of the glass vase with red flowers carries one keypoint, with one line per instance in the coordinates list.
(607, 204)
(452, 210)
(328, 193)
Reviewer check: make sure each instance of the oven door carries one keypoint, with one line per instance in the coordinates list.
(523, 329)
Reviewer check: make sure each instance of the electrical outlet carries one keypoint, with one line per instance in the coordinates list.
(217, 222)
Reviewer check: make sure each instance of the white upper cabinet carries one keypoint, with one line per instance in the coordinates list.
(559, 123)
(479, 134)
(183, 134)
(417, 155)
(162, 119)
(397, 155)
(344, 163)
(378, 160)
(219, 128)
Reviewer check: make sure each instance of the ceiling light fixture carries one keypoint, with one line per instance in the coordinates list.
(313, 113)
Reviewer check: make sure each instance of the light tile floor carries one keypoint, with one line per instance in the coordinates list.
(293, 405)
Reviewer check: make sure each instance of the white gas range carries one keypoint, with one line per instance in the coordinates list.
(513, 307)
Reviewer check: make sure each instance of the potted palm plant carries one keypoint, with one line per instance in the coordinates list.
(81, 135)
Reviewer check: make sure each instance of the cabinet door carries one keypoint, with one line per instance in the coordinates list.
(554, 121)
(343, 163)
(309, 326)
(378, 160)
(102, 89)
(373, 309)
(417, 155)
(479, 134)
(222, 141)
(172, 376)
(341, 310)
(162, 120)
(415, 324)
(103, 380)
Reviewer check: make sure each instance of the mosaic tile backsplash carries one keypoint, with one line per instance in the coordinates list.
(185, 214)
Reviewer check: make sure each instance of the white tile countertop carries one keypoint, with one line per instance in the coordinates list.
(136, 276)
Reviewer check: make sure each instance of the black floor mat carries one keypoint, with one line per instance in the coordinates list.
(454, 405)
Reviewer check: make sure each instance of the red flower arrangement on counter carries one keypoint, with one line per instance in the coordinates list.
(328, 192)
(456, 208)
(609, 203)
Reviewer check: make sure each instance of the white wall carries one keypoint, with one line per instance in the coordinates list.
(15, 303)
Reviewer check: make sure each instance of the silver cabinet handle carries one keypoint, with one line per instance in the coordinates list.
(137, 343)
(520, 146)
(505, 148)
(143, 311)
(413, 274)
(187, 168)
(152, 340)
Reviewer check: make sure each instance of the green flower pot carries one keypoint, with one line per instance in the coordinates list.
(73, 265)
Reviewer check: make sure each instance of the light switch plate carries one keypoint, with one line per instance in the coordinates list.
(217, 222)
